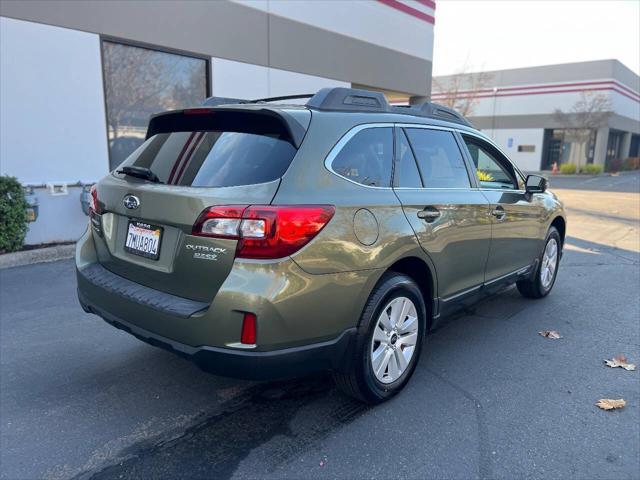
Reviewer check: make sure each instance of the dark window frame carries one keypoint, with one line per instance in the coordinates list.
(148, 46)
(397, 132)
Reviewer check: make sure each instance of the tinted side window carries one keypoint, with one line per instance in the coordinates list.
(406, 173)
(367, 157)
(439, 158)
(490, 171)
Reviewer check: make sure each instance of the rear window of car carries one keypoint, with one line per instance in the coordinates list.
(214, 158)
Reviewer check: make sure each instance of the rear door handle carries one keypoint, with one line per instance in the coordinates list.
(499, 213)
(429, 214)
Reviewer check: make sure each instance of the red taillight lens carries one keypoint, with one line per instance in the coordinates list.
(265, 231)
(94, 206)
(248, 335)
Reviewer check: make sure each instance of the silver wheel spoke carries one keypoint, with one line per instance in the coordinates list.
(385, 321)
(406, 306)
(409, 339)
(410, 325)
(549, 263)
(397, 306)
(379, 335)
(383, 361)
(401, 359)
(394, 369)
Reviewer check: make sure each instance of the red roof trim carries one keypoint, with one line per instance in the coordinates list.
(557, 85)
(428, 3)
(518, 94)
(409, 10)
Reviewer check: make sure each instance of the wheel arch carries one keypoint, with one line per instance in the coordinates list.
(420, 272)
(561, 225)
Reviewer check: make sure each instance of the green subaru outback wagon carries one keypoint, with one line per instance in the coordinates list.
(267, 240)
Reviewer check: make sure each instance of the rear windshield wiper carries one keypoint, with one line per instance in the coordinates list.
(140, 172)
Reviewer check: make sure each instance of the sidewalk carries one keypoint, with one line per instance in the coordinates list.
(37, 255)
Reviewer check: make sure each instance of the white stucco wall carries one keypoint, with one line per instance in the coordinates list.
(52, 104)
(243, 80)
(53, 127)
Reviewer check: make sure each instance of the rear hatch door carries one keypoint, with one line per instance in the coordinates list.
(143, 230)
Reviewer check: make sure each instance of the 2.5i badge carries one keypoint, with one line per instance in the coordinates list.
(204, 252)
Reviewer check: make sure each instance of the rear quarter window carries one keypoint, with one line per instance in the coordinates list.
(367, 157)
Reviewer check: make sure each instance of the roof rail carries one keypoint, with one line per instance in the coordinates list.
(348, 100)
(343, 99)
(433, 110)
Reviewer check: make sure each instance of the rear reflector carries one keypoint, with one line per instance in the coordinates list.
(264, 231)
(248, 336)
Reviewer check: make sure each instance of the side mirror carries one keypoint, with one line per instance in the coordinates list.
(535, 184)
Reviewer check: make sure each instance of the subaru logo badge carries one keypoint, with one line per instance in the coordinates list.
(131, 202)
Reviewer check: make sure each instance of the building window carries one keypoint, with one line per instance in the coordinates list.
(526, 148)
(569, 145)
(634, 148)
(139, 82)
(614, 146)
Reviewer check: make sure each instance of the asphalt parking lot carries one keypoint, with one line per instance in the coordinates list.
(490, 398)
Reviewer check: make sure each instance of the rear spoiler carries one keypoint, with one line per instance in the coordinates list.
(265, 121)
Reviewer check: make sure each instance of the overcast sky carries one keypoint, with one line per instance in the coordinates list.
(489, 34)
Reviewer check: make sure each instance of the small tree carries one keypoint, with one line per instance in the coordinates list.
(13, 214)
(462, 91)
(589, 113)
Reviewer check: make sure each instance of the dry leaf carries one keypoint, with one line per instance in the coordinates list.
(550, 334)
(620, 361)
(609, 404)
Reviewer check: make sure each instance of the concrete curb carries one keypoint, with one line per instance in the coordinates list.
(39, 255)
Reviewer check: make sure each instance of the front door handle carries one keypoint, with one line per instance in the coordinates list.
(429, 214)
(499, 213)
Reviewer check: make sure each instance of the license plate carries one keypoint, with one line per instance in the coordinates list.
(144, 240)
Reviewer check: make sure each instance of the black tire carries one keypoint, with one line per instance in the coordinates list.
(533, 287)
(359, 380)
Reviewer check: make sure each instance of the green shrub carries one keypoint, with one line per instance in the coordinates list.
(13, 214)
(592, 169)
(568, 168)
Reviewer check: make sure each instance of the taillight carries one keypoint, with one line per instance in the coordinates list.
(264, 231)
(94, 206)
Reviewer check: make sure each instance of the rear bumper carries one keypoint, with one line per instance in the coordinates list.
(276, 364)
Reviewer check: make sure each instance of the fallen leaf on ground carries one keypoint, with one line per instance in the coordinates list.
(609, 404)
(620, 361)
(550, 334)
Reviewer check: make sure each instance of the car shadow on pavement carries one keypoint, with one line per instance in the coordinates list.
(215, 443)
